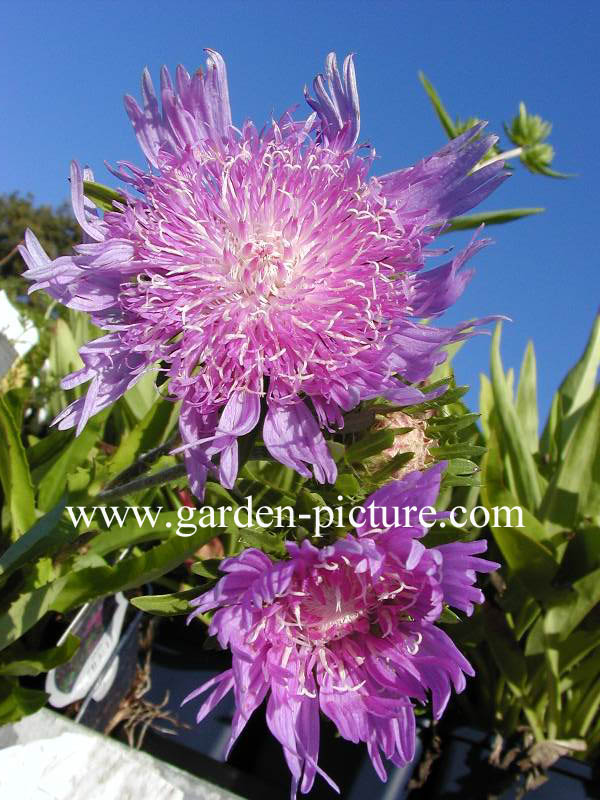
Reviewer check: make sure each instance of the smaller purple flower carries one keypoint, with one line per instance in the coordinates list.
(348, 630)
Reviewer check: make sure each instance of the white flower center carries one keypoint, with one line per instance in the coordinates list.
(262, 264)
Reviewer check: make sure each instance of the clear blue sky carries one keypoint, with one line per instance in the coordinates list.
(67, 64)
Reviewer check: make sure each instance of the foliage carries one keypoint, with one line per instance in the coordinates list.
(55, 228)
(527, 131)
(536, 644)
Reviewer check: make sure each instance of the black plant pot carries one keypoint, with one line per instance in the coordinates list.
(463, 771)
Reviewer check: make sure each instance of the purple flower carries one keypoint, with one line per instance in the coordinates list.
(265, 273)
(348, 630)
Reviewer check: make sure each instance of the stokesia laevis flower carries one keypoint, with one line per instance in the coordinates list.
(348, 630)
(269, 277)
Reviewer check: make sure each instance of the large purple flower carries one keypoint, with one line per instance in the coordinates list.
(348, 630)
(265, 273)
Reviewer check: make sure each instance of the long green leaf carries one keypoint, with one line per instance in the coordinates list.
(578, 385)
(550, 441)
(132, 534)
(443, 116)
(26, 610)
(526, 405)
(14, 474)
(56, 471)
(370, 445)
(64, 356)
(101, 195)
(149, 433)
(524, 469)
(48, 448)
(18, 660)
(140, 398)
(166, 605)
(36, 542)
(17, 701)
(471, 221)
(576, 647)
(572, 605)
(131, 572)
(528, 551)
(507, 654)
(486, 404)
(76, 588)
(574, 491)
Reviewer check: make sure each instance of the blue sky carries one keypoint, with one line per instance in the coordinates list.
(67, 64)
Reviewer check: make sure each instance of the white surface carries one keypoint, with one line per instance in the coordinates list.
(47, 757)
(73, 766)
(22, 335)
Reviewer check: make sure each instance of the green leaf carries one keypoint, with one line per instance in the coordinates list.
(388, 470)
(64, 356)
(462, 466)
(459, 450)
(36, 542)
(14, 474)
(526, 616)
(489, 218)
(526, 405)
(56, 471)
(583, 553)
(26, 610)
(132, 534)
(140, 398)
(347, 485)
(443, 425)
(102, 196)
(17, 702)
(448, 617)
(207, 568)
(572, 606)
(442, 114)
(550, 441)
(527, 551)
(129, 573)
(48, 448)
(486, 404)
(263, 540)
(574, 491)
(17, 660)
(578, 386)
(76, 588)
(576, 647)
(524, 469)
(166, 605)
(507, 654)
(369, 445)
(150, 432)
(308, 501)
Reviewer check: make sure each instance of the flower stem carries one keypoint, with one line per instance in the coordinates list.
(515, 153)
(145, 482)
(142, 464)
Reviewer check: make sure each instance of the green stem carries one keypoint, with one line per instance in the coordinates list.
(515, 153)
(143, 463)
(145, 482)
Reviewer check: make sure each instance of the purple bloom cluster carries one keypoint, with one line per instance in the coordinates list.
(347, 630)
(266, 273)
